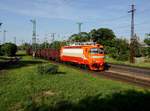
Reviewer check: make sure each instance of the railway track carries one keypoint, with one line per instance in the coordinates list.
(137, 70)
(136, 75)
(143, 80)
(145, 83)
(129, 79)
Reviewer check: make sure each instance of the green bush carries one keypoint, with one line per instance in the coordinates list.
(47, 69)
(145, 51)
(123, 57)
(112, 51)
(120, 50)
(9, 49)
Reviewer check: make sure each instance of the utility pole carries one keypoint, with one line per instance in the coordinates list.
(38, 43)
(34, 37)
(4, 36)
(53, 36)
(34, 32)
(46, 42)
(132, 51)
(79, 26)
(22, 41)
(14, 40)
(0, 28)
(132, 11)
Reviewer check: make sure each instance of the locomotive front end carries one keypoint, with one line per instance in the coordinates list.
(97, 58)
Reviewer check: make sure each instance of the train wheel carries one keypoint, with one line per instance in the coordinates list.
(84, 66)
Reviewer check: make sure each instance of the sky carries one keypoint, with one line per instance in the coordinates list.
(61, 17)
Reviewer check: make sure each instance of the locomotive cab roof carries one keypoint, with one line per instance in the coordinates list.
(83, 44)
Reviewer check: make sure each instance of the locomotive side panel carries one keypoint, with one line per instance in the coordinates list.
(72, 55)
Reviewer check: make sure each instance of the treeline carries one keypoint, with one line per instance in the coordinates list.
(54, 45)
(117, 48)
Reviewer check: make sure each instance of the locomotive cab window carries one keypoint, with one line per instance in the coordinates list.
(97, 51)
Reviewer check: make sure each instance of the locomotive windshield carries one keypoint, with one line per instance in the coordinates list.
(97, 51)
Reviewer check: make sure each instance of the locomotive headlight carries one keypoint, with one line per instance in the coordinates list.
(101, 64)
(98, 57)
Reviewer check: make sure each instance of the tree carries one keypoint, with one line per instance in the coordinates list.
(9, 49)
(44, 45)
(84, 37)
(57, 45)
(81, 37)
(146, 50)
(120, 50)
(137, 48)
(24, 46)
(122, 47)
(102, 36)
(147, 41)
(74, 38)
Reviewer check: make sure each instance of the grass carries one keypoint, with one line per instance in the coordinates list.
(141, 64)
(23, 89)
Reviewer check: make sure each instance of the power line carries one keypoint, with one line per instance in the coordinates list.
(115, 18)
(143, 11)
(122, 27)
(142, 23)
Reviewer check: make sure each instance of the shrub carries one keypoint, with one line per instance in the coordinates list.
(47, 69)
(146, 51)
(112, 51)
(123, 57)
(9, 49)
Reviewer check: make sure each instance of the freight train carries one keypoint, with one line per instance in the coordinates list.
(90, 55)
